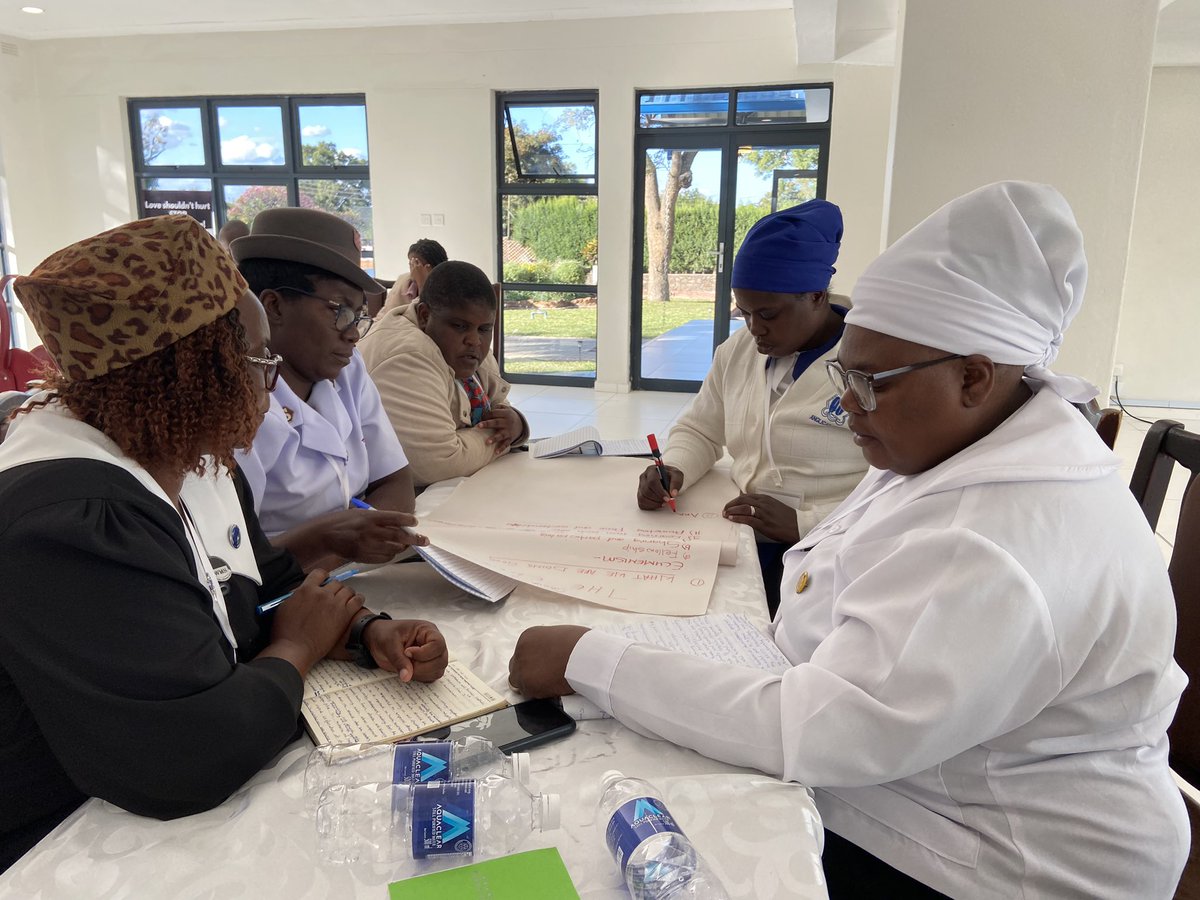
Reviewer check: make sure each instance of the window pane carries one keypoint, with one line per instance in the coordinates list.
(783, 107)
(681, 252)
(549, 333)
(245, 201)
(348, 198)
(667, 110)
(178, 196)
(251, 135)
(771, 179)
(554, 143)
(172, 136)
(333, 135)
(549, 240)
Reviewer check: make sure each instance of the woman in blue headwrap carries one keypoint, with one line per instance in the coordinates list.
(767, 398)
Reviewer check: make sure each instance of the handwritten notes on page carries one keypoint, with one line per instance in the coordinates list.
(572, 526)
(726, 638)
(346, 704)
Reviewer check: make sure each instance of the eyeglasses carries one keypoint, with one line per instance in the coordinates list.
(270, 368)
(862, 384)
(345, 317)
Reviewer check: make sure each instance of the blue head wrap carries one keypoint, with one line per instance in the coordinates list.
(791, 251)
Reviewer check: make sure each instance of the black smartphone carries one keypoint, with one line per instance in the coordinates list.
(514, 728)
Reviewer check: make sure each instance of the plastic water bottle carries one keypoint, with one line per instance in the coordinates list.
(653, 853)
(433, 825)
(409, 762)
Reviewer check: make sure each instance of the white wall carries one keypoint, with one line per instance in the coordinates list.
(1160, 319)
(1050, 92)
(429, 103)
(20, 169)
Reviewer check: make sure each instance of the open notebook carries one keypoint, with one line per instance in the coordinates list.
(346, 704)
(587, 441)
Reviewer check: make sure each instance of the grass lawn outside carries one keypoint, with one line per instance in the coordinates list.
(657, 318)
(549, 366)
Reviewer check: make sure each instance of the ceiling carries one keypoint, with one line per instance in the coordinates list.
(862, 31)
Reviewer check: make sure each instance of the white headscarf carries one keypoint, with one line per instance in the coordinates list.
(999, 271)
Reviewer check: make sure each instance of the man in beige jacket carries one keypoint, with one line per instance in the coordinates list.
(440, 383)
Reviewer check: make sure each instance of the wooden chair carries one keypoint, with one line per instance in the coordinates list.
(1166, 444)
(1106, 421)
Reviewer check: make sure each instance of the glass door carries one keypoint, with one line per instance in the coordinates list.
(771, 177)
(676, 298)
(708, 165)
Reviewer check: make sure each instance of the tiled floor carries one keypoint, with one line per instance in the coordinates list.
(553, 410)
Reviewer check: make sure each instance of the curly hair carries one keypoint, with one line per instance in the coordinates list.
(167, 410)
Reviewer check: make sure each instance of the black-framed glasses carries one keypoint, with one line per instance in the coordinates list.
(270, 369)
(862, 384)
(345, 317)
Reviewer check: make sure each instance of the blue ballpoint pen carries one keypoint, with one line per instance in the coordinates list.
(271, 604)
(360, 504)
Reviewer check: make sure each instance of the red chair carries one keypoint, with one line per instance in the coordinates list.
(19, 369)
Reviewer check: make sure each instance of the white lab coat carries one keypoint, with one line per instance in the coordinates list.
(311, 458)
(983, 674)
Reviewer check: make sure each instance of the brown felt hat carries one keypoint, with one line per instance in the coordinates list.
(309, 236)
(110, 300)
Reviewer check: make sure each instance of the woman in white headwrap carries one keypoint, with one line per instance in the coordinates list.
(982, 632)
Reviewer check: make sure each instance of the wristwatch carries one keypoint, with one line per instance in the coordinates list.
(356, 645)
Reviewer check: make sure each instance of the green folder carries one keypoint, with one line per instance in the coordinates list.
(535, 873)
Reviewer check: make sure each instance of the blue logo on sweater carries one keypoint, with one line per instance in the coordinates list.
(833, 411)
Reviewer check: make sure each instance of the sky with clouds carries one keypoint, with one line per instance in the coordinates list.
(253, 135)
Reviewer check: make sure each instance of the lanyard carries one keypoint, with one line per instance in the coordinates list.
(207, 575)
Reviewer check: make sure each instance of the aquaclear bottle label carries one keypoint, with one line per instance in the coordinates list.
(420, 762)
(635, 821)
(443, 818)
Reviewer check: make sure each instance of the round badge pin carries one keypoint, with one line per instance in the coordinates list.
(235, 537)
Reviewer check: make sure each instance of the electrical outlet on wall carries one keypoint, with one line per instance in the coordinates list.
(426, 219)
(1118, 372)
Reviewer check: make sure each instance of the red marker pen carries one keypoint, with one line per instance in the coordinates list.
(662, 471)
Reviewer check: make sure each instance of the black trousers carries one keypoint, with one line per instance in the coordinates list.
(851, 873)
(770, 560)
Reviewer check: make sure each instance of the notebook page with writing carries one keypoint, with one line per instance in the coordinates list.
(586, 439)
(467, 576)
(723, 638)
(387, 709)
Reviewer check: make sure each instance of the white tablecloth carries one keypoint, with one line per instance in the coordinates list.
(761, 836)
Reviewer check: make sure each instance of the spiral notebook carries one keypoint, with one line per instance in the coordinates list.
(586, 441)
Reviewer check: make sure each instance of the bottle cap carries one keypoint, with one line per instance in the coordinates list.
(520, 768)
(609, 777)
(551, 812)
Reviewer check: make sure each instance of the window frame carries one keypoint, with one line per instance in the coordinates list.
(291, 173)
(579, 188)
(730, 136)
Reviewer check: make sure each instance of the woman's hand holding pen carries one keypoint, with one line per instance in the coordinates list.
(505, 424)
(312, 621)
(771, 518)
(413, 649)
(651, 493)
